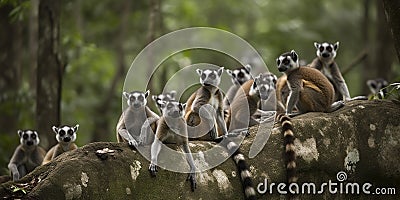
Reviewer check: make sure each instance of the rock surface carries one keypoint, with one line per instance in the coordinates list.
(361, 140)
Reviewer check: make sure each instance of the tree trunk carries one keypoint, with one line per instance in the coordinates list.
(384, 50)
(10, 67)
(49, 71)
(393, 17)
(368, 71)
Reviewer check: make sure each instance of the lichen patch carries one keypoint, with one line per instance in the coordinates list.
(205, 176)
(372, 127)
(352, 158)
(135, 168)
(224, 184)
(307, 149)
(72, 191)
(371, 141)
(84, 179)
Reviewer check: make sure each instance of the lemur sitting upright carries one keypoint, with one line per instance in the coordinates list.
(65, 136)
(136, 116)
(239, 77)
(246, 102)
(310, 90)
(172, 128)
(27, 156)
(325, 62)
(204, 112)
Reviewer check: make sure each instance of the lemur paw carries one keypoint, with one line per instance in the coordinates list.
(192, 178)
(132, 143)
(153, 169)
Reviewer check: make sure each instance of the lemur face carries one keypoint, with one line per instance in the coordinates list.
(241, 75)
(136, 99)
(210, 76)
(168, 96)
(28, 137)
(375, 85)
(287, 61)
(326, 51)
(172, 109)
(264, 85)
(65, 134)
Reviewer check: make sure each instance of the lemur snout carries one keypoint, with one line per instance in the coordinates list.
(67, 139)
(29, 143)
(325, 55)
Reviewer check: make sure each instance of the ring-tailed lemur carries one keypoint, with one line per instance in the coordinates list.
(204, 112)
(325, 62)
(239, 77)
(172, 128)
(378, 87)
(27, 156)
(167, 96)
(65, 136)
(310, 90)
(129, 127)
(251, 94)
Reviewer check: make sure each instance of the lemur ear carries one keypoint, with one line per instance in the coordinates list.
(220, 71)
(274, 79)
(55, 129)
(294, 55)
(147, 93)
(336, 46)
(183, 106)
(76, 128)
(316, 45)
(20, 133)
(126, 95)
(248, 67)
(199, 71)
(154, 97)
(229, 72)
(161, 103)
(172, 93)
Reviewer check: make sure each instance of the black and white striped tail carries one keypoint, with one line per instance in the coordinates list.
(290, 154)
(243, 170)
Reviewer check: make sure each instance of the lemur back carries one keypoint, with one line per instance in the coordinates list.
(135, 116)
(27, 156)
(239, 77)
(325, 62)
(310, 90)
(248, 99)
(65, 136)
(206, 100)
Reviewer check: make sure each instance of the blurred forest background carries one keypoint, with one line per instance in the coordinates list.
(64, 62)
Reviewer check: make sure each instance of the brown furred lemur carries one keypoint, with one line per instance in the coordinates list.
(65, 136)
(239, 77)
(27, 156)
(310, 90)
(204, 112)
(136, 115)
(325, 62)
(172, 128)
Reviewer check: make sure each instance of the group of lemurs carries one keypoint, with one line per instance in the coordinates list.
(210, 115)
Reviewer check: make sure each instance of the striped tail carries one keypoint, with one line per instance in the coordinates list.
(243, 170)
(290, 154)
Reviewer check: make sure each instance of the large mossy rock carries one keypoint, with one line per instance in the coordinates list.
(362, 139)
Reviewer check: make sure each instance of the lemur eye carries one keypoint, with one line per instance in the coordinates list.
(33, 136)
(203, 76)
(61, 133)
(131, 98)
(70, 132)
(329, 48)
(180, 107)
(373, 85)
(321, 48)
(212, 76)
(262, 89)
(25, 136)
(278, 62)
(140, 98)
(285, 61)
(241, 75)
(169, 105)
